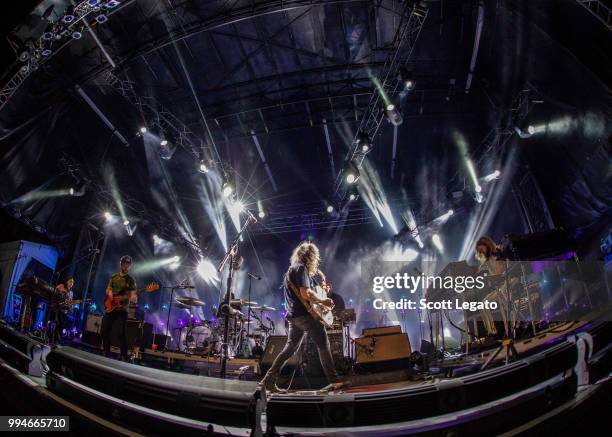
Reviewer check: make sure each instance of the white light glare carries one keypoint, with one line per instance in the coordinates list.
(207, 271)
(202, 167)
(330, 209)
(261, 214)
(163, 142)
(126, 222)
(435, 239)
(227, 190)
(350, 178)
(143, 130)
(108, 216)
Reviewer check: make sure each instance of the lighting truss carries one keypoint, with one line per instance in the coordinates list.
(158, 117)
(599, 10)
(165, 228)
(408, 31)
(52, 41)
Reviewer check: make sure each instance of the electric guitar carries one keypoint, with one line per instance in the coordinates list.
(112, 302)
(317, 310)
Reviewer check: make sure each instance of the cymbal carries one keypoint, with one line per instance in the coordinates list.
(242, 302)
(190, 301)
(263, 308)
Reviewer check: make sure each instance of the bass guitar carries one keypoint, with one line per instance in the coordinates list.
(111, 303)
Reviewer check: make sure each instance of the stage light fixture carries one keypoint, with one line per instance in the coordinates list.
(329, 209)
(351, 172)
(407, 79)
(111, 4)
(163, 143)
(77, 35)
(437, 241)
(495, 175)
(108, 216)
(478, 188)
(48, 34)
(93, 3)
(68, 15)
(102, 18)
(126, 222)
(202, 167)
(143, 130)
(261, 214)
(227, 189)
(364, 142)
(46, 52)
(393, 114)
(24, 55)
(352, 197)
(531, 129)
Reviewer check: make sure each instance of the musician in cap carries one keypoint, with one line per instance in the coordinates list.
(299, 285)
(121, 291)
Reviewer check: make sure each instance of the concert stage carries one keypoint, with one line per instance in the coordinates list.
(306, 217)
(531, 391)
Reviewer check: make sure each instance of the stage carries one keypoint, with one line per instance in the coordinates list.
(540, 385)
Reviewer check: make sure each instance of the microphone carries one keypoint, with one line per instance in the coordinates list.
(254, 276)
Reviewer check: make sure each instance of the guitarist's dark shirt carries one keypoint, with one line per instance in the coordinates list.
(298, 274)
(121, 285)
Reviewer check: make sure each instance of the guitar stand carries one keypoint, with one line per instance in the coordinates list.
(511, 353)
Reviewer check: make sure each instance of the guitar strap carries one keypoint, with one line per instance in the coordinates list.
(292, 286)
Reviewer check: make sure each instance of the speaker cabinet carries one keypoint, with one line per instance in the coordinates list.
(383, 352)
(273, 348)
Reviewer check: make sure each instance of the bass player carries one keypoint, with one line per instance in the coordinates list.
(298, 289)
(120, 285)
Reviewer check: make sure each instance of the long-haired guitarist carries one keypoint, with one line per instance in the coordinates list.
(300, 296)
(121, 290)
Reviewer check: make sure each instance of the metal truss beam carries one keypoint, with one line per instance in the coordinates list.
(599, 10)
(157, 115)
(43, 49)
(217, 21)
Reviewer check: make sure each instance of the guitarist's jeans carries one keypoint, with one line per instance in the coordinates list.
(298, 326)
(117, 316)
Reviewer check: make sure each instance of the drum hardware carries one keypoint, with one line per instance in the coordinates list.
(229, 259)
(190, 301)
(182, 300)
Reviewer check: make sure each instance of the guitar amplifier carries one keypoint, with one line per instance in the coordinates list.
(94, 323)
(134, 334)
(383, 330)
(383, 352)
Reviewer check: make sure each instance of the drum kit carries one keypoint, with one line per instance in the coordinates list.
(247, 333)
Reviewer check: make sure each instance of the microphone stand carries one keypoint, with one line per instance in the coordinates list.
(249, 309)
(229, 256)
(169, 312)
